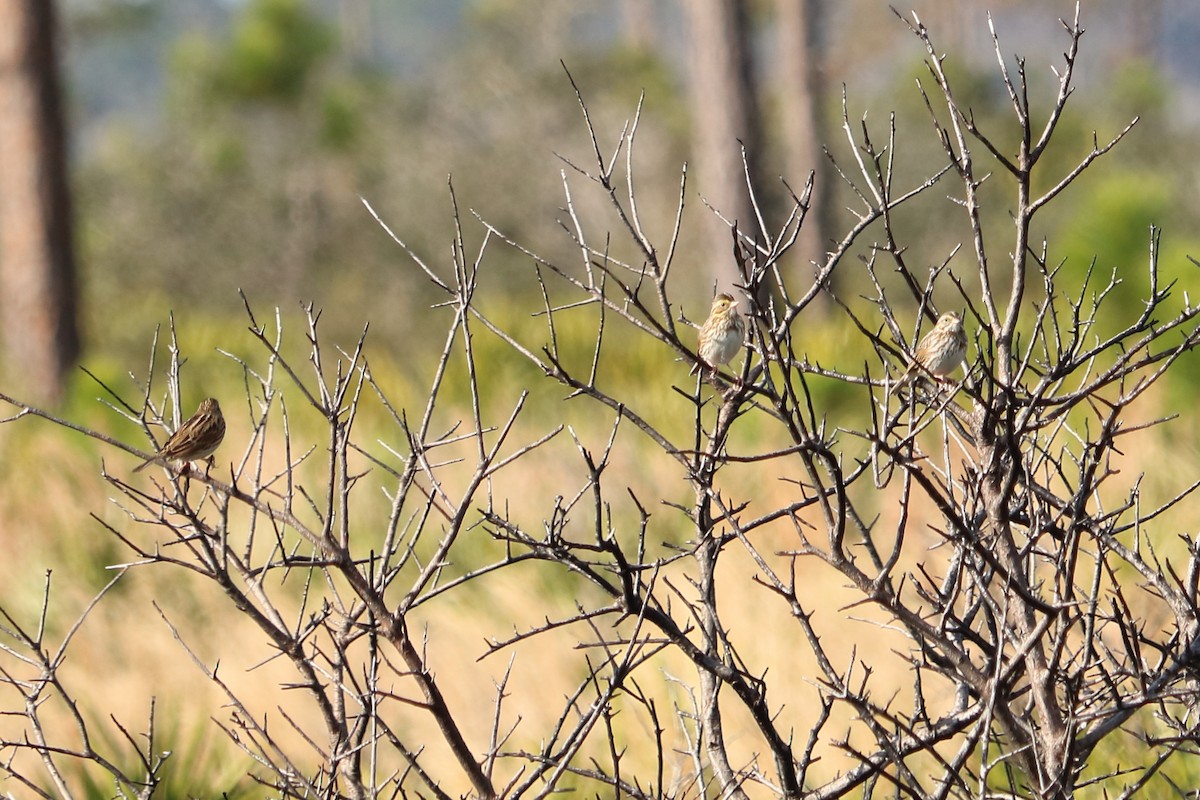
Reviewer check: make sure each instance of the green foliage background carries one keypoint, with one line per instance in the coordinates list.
(273, 130)
(250, 177)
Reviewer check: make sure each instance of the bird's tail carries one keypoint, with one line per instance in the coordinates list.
(903, 380)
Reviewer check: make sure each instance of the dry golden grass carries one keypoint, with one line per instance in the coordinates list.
(125, 654)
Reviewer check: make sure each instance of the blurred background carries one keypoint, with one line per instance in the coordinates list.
(158, 155)
(218, 144)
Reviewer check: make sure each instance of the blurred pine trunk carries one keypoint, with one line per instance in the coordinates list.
(801, 82)
(724, 112)
(37, 282)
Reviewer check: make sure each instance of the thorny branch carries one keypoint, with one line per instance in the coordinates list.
(983, 523)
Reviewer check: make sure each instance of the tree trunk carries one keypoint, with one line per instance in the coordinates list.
(799, 72)
(724, 112)
(37, 283)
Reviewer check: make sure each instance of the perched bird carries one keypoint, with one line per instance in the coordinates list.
(722, 334)
(196, 439)
(940, 352)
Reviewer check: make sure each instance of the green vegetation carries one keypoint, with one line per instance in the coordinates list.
(252, 180)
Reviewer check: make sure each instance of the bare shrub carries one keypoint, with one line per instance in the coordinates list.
(980, 522)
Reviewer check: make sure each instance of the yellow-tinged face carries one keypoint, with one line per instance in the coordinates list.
(721, 304)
